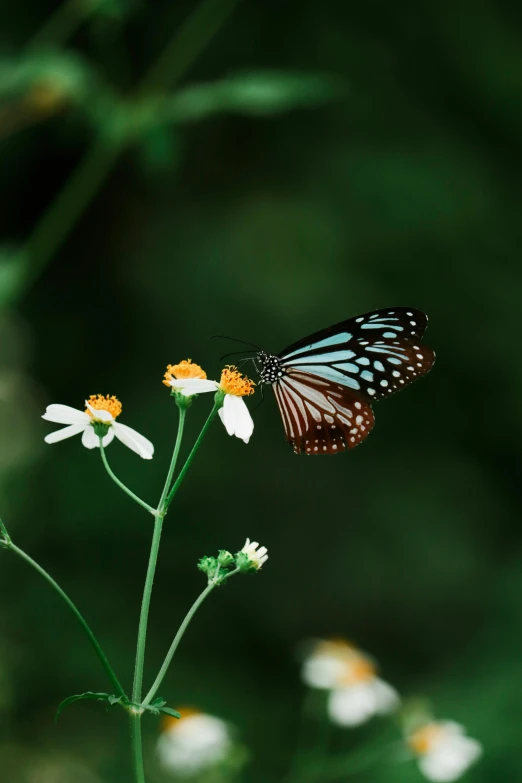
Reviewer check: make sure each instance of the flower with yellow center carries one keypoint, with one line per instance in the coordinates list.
(443, 750)
(99, 418)
(189, 379)
(357, 693)
(193, 744)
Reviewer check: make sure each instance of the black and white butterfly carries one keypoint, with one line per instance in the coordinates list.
(325, 384)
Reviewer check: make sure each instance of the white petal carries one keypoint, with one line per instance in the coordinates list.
(322, 671)
(190, 386)
(133, 440)
(66, 432)
(64, 414)
(107, 438)
(450, 758)
(99, 414)
(386, 698)
(236, 417)
(352, 705)
(89, 438)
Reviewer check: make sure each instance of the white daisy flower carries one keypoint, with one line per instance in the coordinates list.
(188, 379)
(443, 750)
(257, 555)
(194, 743)
(357, 694)
(100, 410)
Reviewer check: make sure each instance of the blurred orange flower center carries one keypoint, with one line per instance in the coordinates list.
(185, 369)
(421, 742)
(233, 382)
(185, 712)
(100, 403)
(358, 669)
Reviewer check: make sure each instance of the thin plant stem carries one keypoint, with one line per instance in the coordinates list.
(179, 635)
(188, 461)
(121, 484)
(62, 23)
(84, 183)
(92, 638)
(159, 515)
(190, 40)
(162, 508)
(64, 212)
(137, 747)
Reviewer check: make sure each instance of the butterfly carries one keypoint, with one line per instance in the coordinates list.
(324, 384)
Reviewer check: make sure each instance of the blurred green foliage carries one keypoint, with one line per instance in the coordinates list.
(401, 188)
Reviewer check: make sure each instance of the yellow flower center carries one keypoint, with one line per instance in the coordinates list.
(422, 741)
(233, 382)
(185, 369)
(357, 666)
(186, 712)
(100, 403)
(359, 669)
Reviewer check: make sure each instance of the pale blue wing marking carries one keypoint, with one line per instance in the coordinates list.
(328, 342)
(348, 366)
(334, 356)
(330, 374)
(376, 325)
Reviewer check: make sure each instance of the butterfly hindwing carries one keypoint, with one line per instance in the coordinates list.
(321, 417)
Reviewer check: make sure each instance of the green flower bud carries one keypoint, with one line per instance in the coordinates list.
(209, 566)
(225, 558)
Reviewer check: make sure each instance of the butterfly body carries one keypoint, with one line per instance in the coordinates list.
(325, 383)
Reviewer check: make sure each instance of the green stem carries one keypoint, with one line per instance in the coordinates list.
(213, 583)
(188, 43)
(188, 461)
(159, 515)
(63, 23)
(92, 638)
(121, 484)
(85, 181)
(137, 747)
(64, 212)
(162, 506)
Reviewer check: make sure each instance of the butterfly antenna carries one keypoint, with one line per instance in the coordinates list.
(237, 340)
(231, 353)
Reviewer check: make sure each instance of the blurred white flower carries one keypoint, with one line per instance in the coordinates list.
(443, 750)
(99, 410)
(357, 694)
(189, 379)
(257, 555)
(194, 743)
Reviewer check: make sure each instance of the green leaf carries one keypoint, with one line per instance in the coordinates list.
(170, 711)
(159, 702)
(257, 93)
(87, 695)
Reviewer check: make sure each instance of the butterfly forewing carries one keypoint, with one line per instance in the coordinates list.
(374, 354)
(321, 417)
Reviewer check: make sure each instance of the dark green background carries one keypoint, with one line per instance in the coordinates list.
(406, 191)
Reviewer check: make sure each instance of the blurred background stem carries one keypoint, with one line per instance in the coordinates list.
(86, 180)
(63, 23)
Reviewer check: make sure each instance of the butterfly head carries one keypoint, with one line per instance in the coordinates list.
(271, 369)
